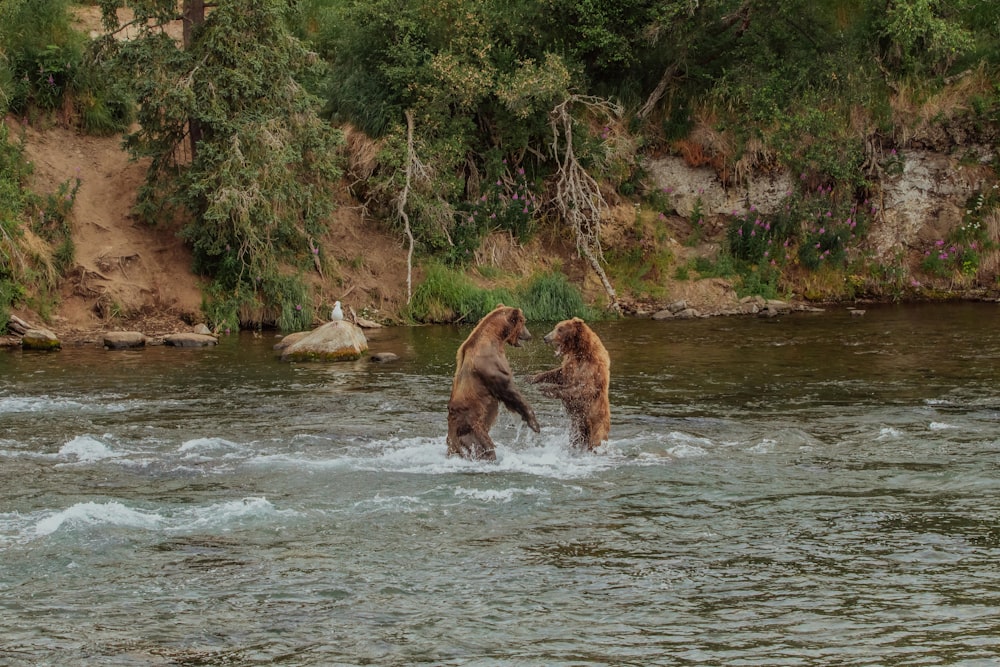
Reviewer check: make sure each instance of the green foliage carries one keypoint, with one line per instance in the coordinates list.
(639, 267)
(259, 184)
(42, 53)
(447, 295)
(757, 238)
(961, 252)
(758, 281)
(50, 222)
(508, 203)
(35, 241)
(44, 68)
(14, 200)
(923, 35)
(834, 228)
(550, 297)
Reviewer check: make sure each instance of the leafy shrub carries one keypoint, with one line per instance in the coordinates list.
(961, 252)
(833, 229)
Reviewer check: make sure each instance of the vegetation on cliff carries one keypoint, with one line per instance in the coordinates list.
(484, 117)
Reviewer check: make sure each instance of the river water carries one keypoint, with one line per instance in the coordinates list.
(814, 489)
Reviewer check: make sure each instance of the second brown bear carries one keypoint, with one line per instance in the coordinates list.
(581, 382)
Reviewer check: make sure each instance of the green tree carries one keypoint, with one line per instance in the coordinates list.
(236, 144)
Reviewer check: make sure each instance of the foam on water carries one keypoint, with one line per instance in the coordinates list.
(48, 404)
(16, 404)
(497, 495)
(547, 456)
(86, 449)
(92, 515)
(941, 426)
(206, 449)
(229, 514)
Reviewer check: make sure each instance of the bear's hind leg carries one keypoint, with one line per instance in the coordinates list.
(474, 446)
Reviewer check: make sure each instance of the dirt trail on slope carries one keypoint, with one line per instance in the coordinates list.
(124, 270)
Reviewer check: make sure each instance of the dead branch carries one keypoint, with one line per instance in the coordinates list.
(412, 165)
(658, 92)
(18, 326)
(578, 197)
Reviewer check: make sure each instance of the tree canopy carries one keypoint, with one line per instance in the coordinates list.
(489, 115)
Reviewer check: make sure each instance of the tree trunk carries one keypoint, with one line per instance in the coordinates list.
(193, 16)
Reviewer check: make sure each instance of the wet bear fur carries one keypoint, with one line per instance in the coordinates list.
(483, 380)
(581, 382)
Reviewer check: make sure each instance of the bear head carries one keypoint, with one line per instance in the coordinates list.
(510, 324)
(568, 337)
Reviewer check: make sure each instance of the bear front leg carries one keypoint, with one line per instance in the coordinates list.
(515, 403)
(501, 386)
(554, 376)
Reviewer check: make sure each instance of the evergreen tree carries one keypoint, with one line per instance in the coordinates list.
(235, 142)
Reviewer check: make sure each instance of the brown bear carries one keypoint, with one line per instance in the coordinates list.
(483, 380)
(581, 382)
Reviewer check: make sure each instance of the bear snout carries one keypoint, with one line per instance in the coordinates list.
(523, 335)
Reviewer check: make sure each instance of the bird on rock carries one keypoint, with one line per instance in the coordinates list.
(336, 314)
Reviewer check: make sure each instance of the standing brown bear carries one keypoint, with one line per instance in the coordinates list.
(581, 382)
(483, 379)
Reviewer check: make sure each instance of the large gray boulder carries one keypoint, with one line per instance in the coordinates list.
(334, 341)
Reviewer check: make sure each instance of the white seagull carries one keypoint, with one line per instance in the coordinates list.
(336, 314)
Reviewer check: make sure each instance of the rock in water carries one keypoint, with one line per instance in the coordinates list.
(40, 339)
(334, 341)
(190, 340)
(124, 340)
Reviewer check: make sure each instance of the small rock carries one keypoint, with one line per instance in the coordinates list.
(384, 357)
(202, 329)
(664, 314)
(124, 340)
(190, 340)
(856, 312)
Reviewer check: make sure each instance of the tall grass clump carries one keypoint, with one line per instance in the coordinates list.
(447, 295)
(550, 297)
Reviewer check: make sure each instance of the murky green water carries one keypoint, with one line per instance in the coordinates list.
(807, 490)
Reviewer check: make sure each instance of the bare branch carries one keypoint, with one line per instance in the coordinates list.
(412, 165)
(578, 197)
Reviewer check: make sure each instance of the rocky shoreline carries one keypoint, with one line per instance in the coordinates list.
(22, 335)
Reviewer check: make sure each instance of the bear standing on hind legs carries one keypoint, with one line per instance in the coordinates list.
(483, 380)
(581, 382)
